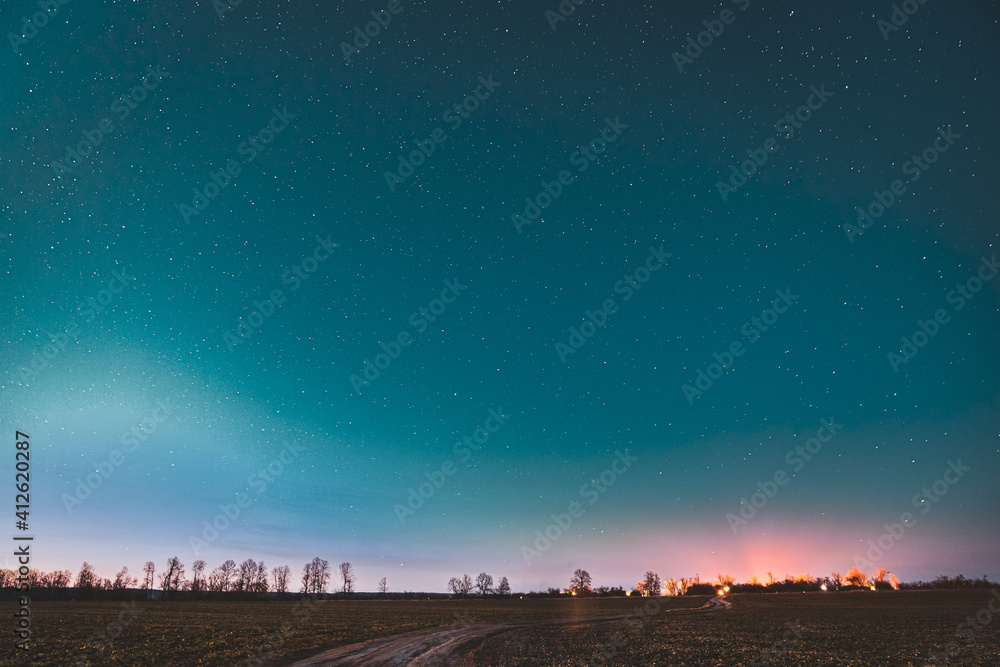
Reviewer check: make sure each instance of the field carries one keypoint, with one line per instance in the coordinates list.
(892, 628)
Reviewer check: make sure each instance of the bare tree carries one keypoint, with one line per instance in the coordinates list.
(173, 577)
(460, 586)
(36, 578)
(86, 580)
(580, 582)
(315, 576)
(260, 580)
(503, 587)
(62, 578)
(837, 580)
(280, 576)
(383, 586)
(246, 576)
(878, 576)
(149, 569)
(672, 587)
(484, 583)
(198, 576)
(227, 572)
(651, 584)
(348, 579)
(122, 581)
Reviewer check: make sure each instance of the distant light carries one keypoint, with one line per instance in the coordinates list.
(823, 587)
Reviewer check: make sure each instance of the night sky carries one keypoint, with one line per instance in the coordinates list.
(229, 280)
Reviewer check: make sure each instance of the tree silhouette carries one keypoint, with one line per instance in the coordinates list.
(246, 576)
(198, 576)
(484, 583)
(280, 577)
(503, 588)
(347, 578)
(580, 582)
(258, 585)
(460, 586)
(220, 581)
(172, 578)
(651, 584)
(383, 587)
(122, 581)
(149, 569)
(86, 580)
(315, 576)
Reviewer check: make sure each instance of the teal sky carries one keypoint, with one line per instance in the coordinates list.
(305, 231)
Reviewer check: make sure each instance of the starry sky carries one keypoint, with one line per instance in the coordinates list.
(231, 286)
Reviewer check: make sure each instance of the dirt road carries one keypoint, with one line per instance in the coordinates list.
(447, 646)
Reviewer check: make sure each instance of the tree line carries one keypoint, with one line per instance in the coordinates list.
(252, 580)
(249, 580)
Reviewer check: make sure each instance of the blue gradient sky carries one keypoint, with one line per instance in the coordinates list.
(494, 347)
